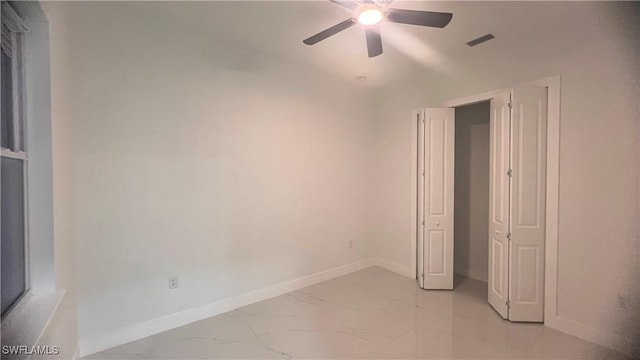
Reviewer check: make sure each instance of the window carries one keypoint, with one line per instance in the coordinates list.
(13, 164)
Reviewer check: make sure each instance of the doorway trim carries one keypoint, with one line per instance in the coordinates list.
(552, 175)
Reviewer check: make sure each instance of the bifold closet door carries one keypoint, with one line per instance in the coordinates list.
(517, 193)
(438, 130)
(420, 200)
(499, 188)
(528, 195)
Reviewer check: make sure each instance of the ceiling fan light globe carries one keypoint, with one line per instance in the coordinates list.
(369, 16)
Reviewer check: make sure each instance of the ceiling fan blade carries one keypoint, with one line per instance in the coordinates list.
(374, 40)
(349, 4)
(416, 17)
(329, 32)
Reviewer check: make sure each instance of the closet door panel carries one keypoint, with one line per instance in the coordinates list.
(500, 128)
(528, 194)
(439, 157)
(420, 200)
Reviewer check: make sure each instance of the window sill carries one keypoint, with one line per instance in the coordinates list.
(25, 324)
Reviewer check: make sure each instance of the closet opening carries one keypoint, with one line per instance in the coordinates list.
(471, 200)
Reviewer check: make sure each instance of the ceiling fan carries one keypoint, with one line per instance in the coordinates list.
(370, 12)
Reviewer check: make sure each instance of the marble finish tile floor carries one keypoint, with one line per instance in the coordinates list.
(369, 314)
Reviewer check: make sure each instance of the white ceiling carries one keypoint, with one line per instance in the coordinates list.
(270, 31)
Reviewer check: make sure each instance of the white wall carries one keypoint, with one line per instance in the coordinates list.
(63, 329)
(599, 167)
(189, 159)
(471, 213)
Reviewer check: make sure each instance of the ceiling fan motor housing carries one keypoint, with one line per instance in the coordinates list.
(369, 14)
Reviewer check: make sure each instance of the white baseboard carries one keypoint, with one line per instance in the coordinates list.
(139, 331)
(591, 334)
(94, 344)
(395, 267)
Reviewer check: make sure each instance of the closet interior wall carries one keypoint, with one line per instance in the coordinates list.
(471, 212)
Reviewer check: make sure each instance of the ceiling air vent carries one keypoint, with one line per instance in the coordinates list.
(480, 40)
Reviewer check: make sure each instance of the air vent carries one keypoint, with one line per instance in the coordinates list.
(480, 40)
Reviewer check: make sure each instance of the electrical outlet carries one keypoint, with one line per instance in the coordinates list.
(173, 282)
(350, 244)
